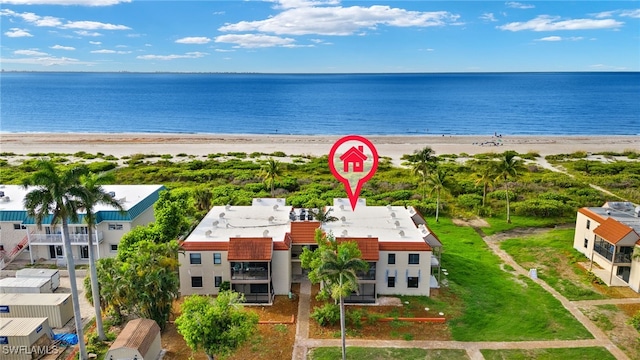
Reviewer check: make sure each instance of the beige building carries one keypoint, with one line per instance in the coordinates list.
(608, 236)
(18, 232)
(256, 249)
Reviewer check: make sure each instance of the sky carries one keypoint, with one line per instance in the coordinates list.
(319, 36)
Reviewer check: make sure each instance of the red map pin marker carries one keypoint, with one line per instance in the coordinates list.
(353, 160)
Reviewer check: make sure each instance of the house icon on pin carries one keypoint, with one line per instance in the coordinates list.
(354, 157)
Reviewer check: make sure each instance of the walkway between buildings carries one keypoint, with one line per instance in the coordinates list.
(303, 343)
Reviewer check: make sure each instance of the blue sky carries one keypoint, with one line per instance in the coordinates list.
(319, 36)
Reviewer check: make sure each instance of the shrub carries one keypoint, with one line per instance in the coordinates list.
(542, 208)
(224, 286)
(328, 314)
(354, 317)
(593, 278)
(470, 201)
(502, 195)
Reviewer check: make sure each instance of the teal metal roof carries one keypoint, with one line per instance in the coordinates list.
(13, 215)
(102, 215)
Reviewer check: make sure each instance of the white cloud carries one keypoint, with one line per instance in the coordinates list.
(30, 52)
(559, 38)
(603, 67)
(45, 61)
(604, 14)
(93, 25)
(194, 40)
(88, 33)
(107, 51)
(488, 17)
(16, 32)
(553, 23)
(291, 4)
(339, 20)
(223, 50)
(65, 2)
(517, 5)
(95, 42)
(60, 47)
(50, 21)
(189, 55)
(218, 13)
(254, 40)
(631, 13)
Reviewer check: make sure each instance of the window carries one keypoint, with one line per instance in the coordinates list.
(586, 243)
(115, 226)
(195, 259)
(588, 224)
(113, 247)
(412, 282)
(196, 281)
(84, 252)
(217, 258)
(259, 288)
(414, 259)
(391, 259)
(391, 281)
(218, 281)
(16, 226)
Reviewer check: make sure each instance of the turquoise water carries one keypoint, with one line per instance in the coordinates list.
(464, 104)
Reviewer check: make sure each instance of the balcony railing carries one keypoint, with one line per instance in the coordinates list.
(369, 275)
(56, 239)
(249, 271)
(605, 251)
(622, 258)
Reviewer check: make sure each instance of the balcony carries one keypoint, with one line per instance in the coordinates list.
(622, 258)
(56, 239)
(249, 271)
(368, 275)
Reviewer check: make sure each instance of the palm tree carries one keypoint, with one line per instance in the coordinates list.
(484, 175)
(339, 267)
(324, 216)
(438, 182)
(422, 163)
(56, 194)
(508, 167)
(202, 197)
(93, 195)
(270, 172)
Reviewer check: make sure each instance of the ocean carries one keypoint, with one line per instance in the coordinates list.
(322, 104)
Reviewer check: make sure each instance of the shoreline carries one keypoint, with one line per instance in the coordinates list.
(393, 146)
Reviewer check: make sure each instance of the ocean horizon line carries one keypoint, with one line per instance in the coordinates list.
(321, 73)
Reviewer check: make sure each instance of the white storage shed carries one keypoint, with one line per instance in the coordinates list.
(24, 337)
(53, 274)
(140, 340)
(58, 308)
(25, 285)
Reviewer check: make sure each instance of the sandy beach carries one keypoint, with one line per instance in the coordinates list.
(120, 144)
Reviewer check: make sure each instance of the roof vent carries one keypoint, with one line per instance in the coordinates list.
(389, 207)
(215, 223)
(341, 207)
(344, 233)
(608, 212)
(401, 232)
(636, 211)
(221, 215)
(271, 218)
(207, 233)
(258, 200)
(265, 233)
(343, 219)
(275, 207)
(228, 206)
(412, 211)
(396, 224)
(1, 193)
(112, 194)
(6, 199)
(369, 235)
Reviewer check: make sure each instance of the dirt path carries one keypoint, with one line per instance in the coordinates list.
(302, 327)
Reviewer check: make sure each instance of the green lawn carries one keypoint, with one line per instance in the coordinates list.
(499, 223)
(587, 353)
(359, 353)
(552, 253)
(497, 306)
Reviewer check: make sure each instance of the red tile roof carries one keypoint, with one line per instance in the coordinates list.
(612, 231)
(250, 249)
(368, 247)
(283, 245)
(205, 245)
(304, 232)
(404, 246)
(591, 214)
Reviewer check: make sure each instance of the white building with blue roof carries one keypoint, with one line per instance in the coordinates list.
(20, 237)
